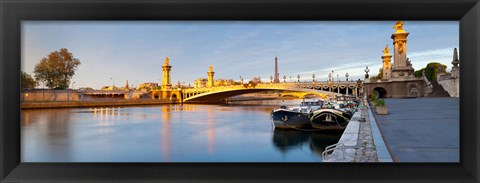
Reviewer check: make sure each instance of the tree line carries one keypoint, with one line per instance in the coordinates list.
(54, 70)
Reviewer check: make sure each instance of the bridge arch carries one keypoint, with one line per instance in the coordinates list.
(380, 91)
(173, 97)
(156, 95)
(221, 93)
(219, 96)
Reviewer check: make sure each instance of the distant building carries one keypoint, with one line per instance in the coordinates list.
(256, 80)
(200, 83)
(147, 86)
(203, 82)
(109, 88)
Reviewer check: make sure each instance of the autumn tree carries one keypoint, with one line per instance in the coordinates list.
(27, 81)
(380, 73)
(57, 69)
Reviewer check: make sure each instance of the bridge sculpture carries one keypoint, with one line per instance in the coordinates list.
(222, 93)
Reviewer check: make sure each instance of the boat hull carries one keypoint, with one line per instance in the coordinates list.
(330, 119)
(285, 119)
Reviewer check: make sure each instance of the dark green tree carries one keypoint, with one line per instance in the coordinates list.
(418, 73)
(27, 81)
(431, 70)
(57, 69)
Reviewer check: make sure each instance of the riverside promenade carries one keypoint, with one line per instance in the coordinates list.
(422, 129)
(414, 130)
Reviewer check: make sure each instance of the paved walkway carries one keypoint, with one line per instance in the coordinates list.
(362, 141)
(366, 150)
(422, 129)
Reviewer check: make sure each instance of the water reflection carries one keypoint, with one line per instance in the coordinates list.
(43, 125)
(166, 133)
(285, 140)
(210, 130)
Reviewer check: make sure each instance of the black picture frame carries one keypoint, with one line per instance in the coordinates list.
(12, 12)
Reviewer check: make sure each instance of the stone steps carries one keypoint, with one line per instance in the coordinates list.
(438, 90)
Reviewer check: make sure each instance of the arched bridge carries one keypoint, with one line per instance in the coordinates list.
(219, 94)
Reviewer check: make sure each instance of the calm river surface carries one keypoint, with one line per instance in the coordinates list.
(240, 132)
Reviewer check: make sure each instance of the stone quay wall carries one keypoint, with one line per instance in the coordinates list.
(50, 96)
(362, 140)
(74, 104)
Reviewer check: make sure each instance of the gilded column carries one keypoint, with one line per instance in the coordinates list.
(166, 84)
(401, 67)
(386, 64)
(210, 82)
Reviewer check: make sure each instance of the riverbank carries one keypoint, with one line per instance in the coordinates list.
(79, 104)
(361, 141)
(113, 103)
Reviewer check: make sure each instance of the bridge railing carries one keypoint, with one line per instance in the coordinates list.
(286, 85)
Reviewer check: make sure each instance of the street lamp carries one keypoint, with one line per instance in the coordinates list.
(313, 78)
(241, 79)
(346, 75)
(73, 84)
(338, 79)
(271, 79)
(290, 79)
(298, 78)
(284, 79)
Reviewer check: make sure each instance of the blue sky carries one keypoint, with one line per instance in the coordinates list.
(135, 50)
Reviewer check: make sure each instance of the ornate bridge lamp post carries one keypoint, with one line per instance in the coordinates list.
(290, 79)
(359, 83)
(313, 78)
(365, 92)
(366, 72)
(298, 78)
(346, 75)
(284, 79)
(241, 80)
(271, 79)
(330, 82)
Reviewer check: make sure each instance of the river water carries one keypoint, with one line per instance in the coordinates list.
(237, 132)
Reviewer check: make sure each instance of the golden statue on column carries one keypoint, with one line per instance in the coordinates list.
(385, 51)
(167, 60)
(399, 27)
